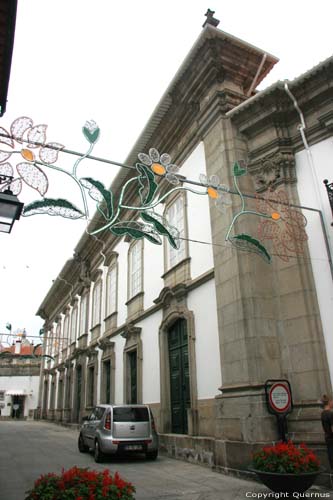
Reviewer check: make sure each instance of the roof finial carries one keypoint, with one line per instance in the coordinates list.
(211, 19)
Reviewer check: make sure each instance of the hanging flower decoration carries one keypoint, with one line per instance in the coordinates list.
(216, 191)
(22, 130)
(279, 223)
(286, 227)
(160, 165)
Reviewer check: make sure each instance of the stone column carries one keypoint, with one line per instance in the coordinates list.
(268, 319)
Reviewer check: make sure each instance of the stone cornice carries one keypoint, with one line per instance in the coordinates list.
(274, 110)
(167, 295)
(273, 170)
(105, 343)
(129, 330)
(91, 352)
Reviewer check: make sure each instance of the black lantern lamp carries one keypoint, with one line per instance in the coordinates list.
(10, 208)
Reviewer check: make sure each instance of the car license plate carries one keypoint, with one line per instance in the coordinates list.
(133, 447)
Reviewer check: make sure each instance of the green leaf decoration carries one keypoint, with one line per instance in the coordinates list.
(35, 349)
(91, 135)
(238, 170)
(99, 193)
(147, 183)
(249, 244)
(52, 206)
(162, 226)
(136, 230)
(47, 356)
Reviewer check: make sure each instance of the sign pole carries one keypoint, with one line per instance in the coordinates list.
(279, 403)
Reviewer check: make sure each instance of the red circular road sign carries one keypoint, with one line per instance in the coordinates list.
(279, 397)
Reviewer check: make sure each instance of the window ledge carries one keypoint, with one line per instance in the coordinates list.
(111, 316)
(95, 327)
(176, 266)
(134, 298)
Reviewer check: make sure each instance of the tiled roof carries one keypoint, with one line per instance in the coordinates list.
(26, 350)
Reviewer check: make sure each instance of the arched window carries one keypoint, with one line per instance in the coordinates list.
(135, 268)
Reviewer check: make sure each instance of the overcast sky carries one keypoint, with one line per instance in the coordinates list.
(111, 61)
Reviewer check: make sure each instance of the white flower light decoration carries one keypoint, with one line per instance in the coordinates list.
(216, 191)
(161, 165)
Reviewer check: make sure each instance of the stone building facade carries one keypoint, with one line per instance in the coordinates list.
(233, 320)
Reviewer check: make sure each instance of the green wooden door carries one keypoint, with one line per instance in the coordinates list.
(107, 375)
(179, 376)
(78, 391)
(132, 358)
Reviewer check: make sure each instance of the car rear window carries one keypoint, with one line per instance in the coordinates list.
(130, 414)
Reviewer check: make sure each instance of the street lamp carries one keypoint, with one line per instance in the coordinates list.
(10, 207)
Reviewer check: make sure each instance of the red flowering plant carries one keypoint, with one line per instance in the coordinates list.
(286, 458)
(81, 484)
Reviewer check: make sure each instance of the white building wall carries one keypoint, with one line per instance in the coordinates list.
(151, 358)
(202, 301)
(153, 270)
(322, 154)
(28, 384)
(119, 380)
(198, 215)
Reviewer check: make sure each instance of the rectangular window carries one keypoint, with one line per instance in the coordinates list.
(58, 339)
(2, 395)
(175, 215)
(135, 269)
(90, 386)
(83, 314)
(73, 325)
(111, 291)
(60, 394)
(96, 316)
(130, 414)
(66, 332)
(107, 381)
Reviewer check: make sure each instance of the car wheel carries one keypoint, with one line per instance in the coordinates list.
(83, 448)
(151, 455)
(98, 455)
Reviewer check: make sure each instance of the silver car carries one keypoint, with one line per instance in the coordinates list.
(112, 429)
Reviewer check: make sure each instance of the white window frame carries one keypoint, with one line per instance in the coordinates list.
(73, 324)
(175, 214)
(66, 331)
(111, 290)
(135, 269)
(83, 314)
(97, 303)
(58, 346)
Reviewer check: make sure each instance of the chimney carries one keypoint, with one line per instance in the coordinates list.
(18, 347)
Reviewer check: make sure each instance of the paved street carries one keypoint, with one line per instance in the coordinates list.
(29, 449)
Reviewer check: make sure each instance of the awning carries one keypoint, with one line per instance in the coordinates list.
(16, 392)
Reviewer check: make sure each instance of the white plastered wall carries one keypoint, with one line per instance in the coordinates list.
(199, 227)
(28, 384)
(151, 358)
(202, 301)
(322, 155)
